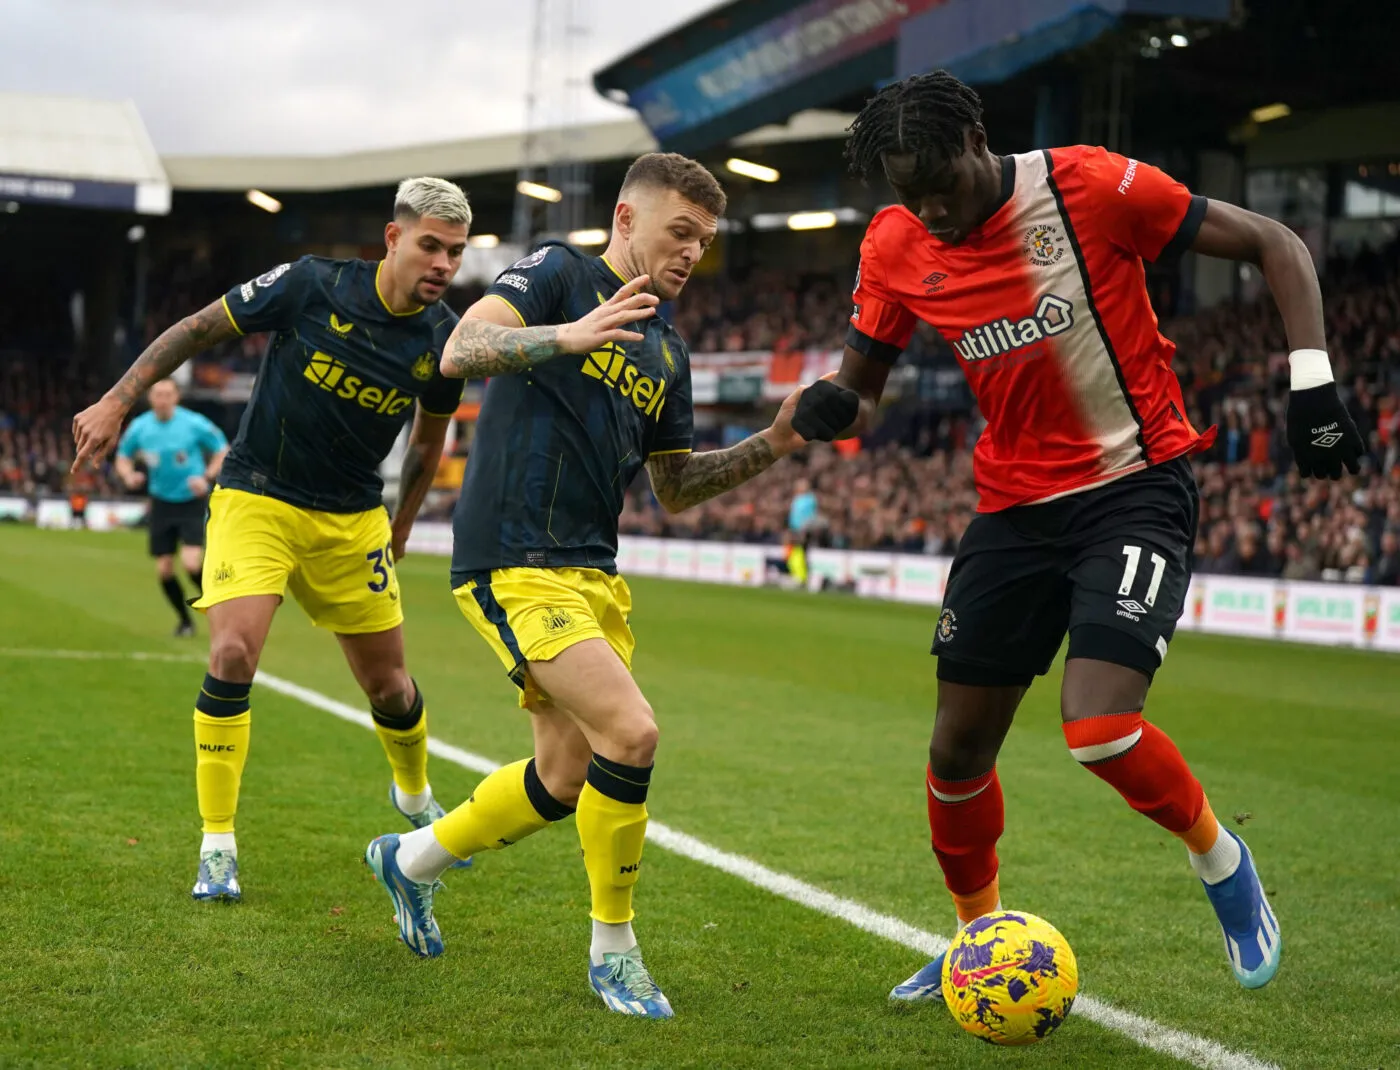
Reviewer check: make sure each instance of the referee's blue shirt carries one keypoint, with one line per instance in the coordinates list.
(172, 450)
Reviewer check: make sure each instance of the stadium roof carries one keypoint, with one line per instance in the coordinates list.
(455, 159)
(79, 152)
(383, 167)
(756, 61)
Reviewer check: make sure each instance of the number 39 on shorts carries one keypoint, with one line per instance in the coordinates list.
(381, 561)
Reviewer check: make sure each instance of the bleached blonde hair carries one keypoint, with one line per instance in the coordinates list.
(434, 198)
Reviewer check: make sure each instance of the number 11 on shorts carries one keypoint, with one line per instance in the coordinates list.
(1134, 556)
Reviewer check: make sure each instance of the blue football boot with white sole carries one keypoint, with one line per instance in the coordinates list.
(218, 878)
(625, 986)
(1253, 940)
(423, 818)
(413, 901)
(926, 986)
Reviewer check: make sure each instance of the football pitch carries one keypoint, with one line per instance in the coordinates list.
(793, 741)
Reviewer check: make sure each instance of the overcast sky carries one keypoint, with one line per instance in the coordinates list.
(314, 76)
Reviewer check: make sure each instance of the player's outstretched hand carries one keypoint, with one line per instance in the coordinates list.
(1322, 434)
(135, 481)
(781, 436)
(199, 486)
(825, 410)
(608, 322)
(95, 431)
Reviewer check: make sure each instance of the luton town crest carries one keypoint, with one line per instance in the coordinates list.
(1045, 245)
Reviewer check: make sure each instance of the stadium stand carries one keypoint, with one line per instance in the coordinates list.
(909, 488)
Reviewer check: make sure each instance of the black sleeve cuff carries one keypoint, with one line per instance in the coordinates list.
(884, 352)
(1186, 233)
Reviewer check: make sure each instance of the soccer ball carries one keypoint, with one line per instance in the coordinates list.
(1010, 978)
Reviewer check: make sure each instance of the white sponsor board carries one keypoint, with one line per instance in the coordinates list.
(678, 558)
(1234, 605)
(822, 565)
(746, 564)
(431, 538)
(1383, 630)
(12, 508)
(99, 516)
(1325, 613)
(920, 578)
(646, 556)
(712, 562)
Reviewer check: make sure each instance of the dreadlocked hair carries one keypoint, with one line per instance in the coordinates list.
(921, 114)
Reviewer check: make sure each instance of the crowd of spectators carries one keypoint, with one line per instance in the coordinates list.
(910, 487)
(37, 402)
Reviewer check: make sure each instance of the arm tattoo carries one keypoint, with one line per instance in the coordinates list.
(681, 480)
(480, 349)
(193, 334)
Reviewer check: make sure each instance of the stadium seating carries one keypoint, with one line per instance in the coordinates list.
(910, 487)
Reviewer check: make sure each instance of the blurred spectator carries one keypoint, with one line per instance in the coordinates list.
(802, 513)
(1387, 571)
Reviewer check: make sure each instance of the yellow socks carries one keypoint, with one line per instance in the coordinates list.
(612, 827)
(404, 738)
(507, 806)
(221, 731)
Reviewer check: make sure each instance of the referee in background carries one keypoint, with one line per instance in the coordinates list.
(181, 452)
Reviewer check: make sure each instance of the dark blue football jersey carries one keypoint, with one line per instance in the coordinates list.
(557, 446)
(336, 385)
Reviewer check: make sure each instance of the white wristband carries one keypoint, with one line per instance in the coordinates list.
(1309, 368)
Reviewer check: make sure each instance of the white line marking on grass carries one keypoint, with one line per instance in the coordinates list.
(1187, 1047)
(96, 655)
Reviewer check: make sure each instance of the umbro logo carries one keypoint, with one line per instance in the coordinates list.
(934, 282)
(1132, 606)
(1327, 437)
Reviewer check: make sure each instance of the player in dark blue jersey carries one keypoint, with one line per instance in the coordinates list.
(587, 386)
(354, 355)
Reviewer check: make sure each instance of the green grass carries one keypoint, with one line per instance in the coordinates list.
(793, 731)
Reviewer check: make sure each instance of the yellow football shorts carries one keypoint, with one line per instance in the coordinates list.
(534, 614)
(339, 566)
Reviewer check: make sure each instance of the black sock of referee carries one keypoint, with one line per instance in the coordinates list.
(176, 596)
(197, 582)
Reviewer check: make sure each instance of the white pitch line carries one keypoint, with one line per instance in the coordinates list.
(1176, 1043)
(94, 655)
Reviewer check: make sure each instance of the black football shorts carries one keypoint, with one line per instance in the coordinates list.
(1110, 566)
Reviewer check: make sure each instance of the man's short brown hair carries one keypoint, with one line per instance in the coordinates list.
(670, 170)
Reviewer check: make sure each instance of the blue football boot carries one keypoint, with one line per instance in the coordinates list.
(1253, 940)
(625, 986)
(413, 902)
(926, 986)
(218, 877)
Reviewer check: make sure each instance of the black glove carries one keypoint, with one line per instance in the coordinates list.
(825, 410)
(1322, 434)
